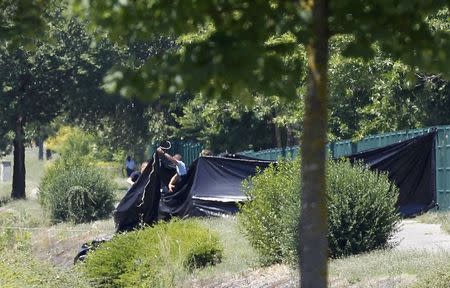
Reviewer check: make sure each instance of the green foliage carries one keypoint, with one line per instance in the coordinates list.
(362, 211)
(154, 256)
(269, 219)
(268, 60)
(21, 20)
(361, 206)
(253, 46)
(381, 95)
(74, 144)
(76, 191)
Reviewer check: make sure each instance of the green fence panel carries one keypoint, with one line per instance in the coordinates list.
(443, 166)
(341, 148)
(188, 150)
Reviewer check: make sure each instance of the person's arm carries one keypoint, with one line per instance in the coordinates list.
(129, 181)
(168, 156)
(172, 182)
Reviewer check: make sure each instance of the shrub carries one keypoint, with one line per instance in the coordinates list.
(361, 207)
(154, 256)
(76, 192)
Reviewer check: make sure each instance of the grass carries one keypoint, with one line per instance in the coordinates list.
(401, 267)
(436, 217)
(55, 246)
(238, 255)
(24, 270)
(34, 171)
(42, 253)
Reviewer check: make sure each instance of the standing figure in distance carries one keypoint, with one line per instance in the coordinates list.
(136, 174)
(130, 165)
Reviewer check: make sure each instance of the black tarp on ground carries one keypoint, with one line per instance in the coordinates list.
(212, 187)
(410, 164)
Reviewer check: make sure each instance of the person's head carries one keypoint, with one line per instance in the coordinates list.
(143, 165)
(177, 157)
(128, 158)
(206, 152)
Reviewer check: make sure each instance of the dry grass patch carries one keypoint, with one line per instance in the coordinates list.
(436, 217)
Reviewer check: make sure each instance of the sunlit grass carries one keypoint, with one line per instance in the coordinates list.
(238, 255)
(34, 171)
(402, 267)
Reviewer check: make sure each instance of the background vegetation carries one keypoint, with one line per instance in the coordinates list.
(53, 66)
(361, 208)
(74, 187)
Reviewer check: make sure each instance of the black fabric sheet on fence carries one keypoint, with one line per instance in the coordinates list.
(212, 187)
(410, 164)
(213, 184)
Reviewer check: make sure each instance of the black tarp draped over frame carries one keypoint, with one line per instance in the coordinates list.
(410, 164)
(213, 184)
(212, 187)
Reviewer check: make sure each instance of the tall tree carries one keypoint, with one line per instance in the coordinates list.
(238, 48)
(38, 83)
(26, 98)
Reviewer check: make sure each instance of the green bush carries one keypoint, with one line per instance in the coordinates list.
(154, 256)
(76, 192)
(361, 207)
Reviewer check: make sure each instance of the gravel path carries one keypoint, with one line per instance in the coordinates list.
(414, 235)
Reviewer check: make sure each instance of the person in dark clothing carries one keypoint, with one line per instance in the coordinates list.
(130, 165)
(179, 165)
(136, 174)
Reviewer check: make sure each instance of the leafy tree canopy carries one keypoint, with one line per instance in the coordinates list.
(22, 20)
(237, 48)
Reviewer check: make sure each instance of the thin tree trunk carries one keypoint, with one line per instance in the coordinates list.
(40, 145)
(313, 247)
(278, 136)
(18, 185)
(289, 136)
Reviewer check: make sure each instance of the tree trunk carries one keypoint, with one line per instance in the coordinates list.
(313, 246)
(18, 185)
(40, 145)
(289, 136)
(278, 136)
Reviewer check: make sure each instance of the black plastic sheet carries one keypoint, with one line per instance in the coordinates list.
(212, 186)
(410, 164)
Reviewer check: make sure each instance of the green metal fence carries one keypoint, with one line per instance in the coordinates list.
(188, 150)
(347, 147)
